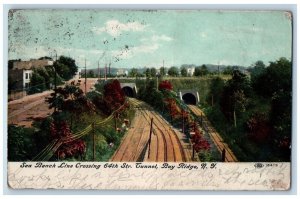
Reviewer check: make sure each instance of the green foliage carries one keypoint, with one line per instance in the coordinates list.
(162, 71)
(66, 67)
(153, 72)
(201, 71)
(183, 72)
(147, 73)
(91, 74)
(216, 87)
(20, 144)
(256, 137)
(278, 76)
(37, 83)
(228, 70)
(42, 135)
(133, 72)
(69, 100)
(42, 79)
(256, 71)
(235, 93)
(151, 95)
(173, 71)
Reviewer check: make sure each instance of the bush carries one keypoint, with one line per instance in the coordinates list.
(20, 144)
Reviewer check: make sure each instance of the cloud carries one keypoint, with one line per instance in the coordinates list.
(115, 28)
(148, 45)
(203, 34)
(156, 38)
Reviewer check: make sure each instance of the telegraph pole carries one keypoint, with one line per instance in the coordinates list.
(182, 121)
(98, 71)
(85, 73)
(109, 68)
(105, 71)
(163, 68)
(149, 142)
(55, 80)
(94, 144)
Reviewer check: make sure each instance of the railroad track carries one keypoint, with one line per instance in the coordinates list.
(215, 136)
(165, 137)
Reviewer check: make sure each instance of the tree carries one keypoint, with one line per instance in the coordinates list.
(197, 71)
(44, 73)
(153, 72)
(19, 143)
(173, 71)
(228, 70)
(70, 100)
(278, 76)
(37, 83)
(162, 71)
(183, 72)
(113, 97)
(66, 67)
(149, 94)
(258, 127)
(133, 72)
(234, 96)
(148, 73)
(216, 87)
(203, 70)
(239, 103)
(91, 74)
(281, 120)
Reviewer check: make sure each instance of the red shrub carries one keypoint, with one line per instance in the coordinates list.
(60, 130)
(165, 85)
(258, 127)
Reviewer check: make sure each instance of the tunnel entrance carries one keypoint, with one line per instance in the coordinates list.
(128, 91)
(189, 98)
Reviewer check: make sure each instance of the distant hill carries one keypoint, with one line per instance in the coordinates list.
(210, 67)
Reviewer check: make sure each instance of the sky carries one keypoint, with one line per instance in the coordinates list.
(137, 39)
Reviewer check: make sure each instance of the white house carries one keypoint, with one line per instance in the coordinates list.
(190, 71)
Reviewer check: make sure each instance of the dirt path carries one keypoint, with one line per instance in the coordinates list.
(217, 139)
(165, 145)
(23, 111)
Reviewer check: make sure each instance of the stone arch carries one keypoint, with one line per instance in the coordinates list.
(128, 91)
(189, 98)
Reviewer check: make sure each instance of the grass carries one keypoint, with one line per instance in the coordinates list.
(104, 136)
(201, 84)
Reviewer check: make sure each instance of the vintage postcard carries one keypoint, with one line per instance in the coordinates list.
(149, 99)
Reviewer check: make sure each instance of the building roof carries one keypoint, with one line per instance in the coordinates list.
(32, 64)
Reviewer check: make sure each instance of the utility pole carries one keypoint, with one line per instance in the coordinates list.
(85, 73)
(98, 71)
(94, 144)
(182, 121)
(116, 115)
(105, 72)
(109, 68)
(223, 155)
(163, 67)
(157, 82)
(170, 108)
(55, 83)
(149, 141)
